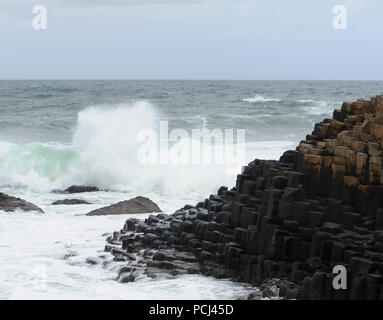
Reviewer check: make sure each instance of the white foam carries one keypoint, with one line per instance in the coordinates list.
(305, 100)
(322, 108)
(259, 98)
(32, 250)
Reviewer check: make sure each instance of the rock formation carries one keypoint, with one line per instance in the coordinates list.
(8, 203)
(135, 205)
(78, 189)
(293, 219)
(69, 202)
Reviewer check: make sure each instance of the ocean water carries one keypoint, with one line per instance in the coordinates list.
(54, 134)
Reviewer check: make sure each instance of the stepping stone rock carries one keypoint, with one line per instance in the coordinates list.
(10, 204)
(69, 202)
(132, 206)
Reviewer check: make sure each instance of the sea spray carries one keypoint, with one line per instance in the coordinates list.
(103, 152)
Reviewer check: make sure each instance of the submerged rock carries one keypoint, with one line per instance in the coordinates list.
(80, 189)
(8, 203)
(77, 189)
(135, 205)
(70, 202)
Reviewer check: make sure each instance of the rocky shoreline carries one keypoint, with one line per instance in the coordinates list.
(282, 228)
(292, 220)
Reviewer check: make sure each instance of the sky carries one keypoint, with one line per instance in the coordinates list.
(192, 39)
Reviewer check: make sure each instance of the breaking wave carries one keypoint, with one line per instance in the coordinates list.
(103, 152)
(259, 98)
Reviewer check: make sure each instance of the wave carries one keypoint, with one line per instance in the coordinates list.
(203, 119)
(305, 101)
(103, 152)
(321, 108)
(259, 98)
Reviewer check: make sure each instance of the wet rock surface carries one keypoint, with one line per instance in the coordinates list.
(8, 203)
(77, 189)
(319, 206)
(167, 246)
(132, 206)
(70, 202)
(81, 189)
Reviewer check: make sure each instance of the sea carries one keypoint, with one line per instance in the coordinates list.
(54, 134)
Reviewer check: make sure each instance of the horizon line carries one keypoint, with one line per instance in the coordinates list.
(190, 79)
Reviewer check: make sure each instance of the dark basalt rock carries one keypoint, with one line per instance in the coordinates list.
(8, 203)
(70, 202)
(81, 189)
(294, 219)
(77, 189)
(132, 206)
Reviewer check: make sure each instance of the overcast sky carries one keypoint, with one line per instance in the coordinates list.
(191, 39)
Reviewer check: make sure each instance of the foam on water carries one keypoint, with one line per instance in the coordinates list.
(33, 247)
(323, 108)
(305, 100)
(260, 98)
